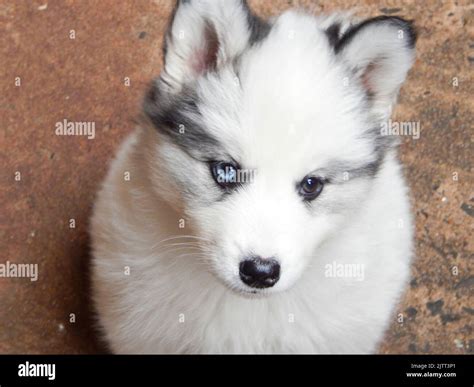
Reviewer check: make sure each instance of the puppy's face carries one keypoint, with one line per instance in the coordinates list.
(269, 134)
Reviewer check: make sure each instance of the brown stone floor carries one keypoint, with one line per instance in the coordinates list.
(82, 79)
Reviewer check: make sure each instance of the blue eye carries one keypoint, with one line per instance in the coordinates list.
(224, 174)
(310, 187)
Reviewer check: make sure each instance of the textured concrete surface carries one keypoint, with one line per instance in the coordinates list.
(83, 79)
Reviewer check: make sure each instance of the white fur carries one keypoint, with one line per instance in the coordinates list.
(290, 114)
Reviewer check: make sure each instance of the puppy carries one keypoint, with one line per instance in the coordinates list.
(258, 208)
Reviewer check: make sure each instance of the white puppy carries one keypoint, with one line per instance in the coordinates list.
(258, 209)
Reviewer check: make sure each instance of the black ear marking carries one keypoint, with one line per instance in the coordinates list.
(332, 34)
(398, 22)
(259, 28)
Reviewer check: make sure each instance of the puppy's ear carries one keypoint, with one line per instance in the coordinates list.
(205, 34)
(379, 52)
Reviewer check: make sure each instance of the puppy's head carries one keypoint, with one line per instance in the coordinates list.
(268, 133)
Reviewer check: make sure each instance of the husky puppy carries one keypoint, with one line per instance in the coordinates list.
(258, 208)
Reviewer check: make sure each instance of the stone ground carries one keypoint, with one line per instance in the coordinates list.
(82, 79)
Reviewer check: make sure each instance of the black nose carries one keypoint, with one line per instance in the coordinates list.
(259, 273)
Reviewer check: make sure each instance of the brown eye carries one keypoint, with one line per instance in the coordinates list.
(310, 187)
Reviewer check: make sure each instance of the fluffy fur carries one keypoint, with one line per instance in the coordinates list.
(294, 96)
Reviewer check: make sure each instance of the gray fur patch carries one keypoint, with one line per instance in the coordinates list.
(178, 118)
(339, 172)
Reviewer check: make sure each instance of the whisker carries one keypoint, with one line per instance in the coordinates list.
(181, 237)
